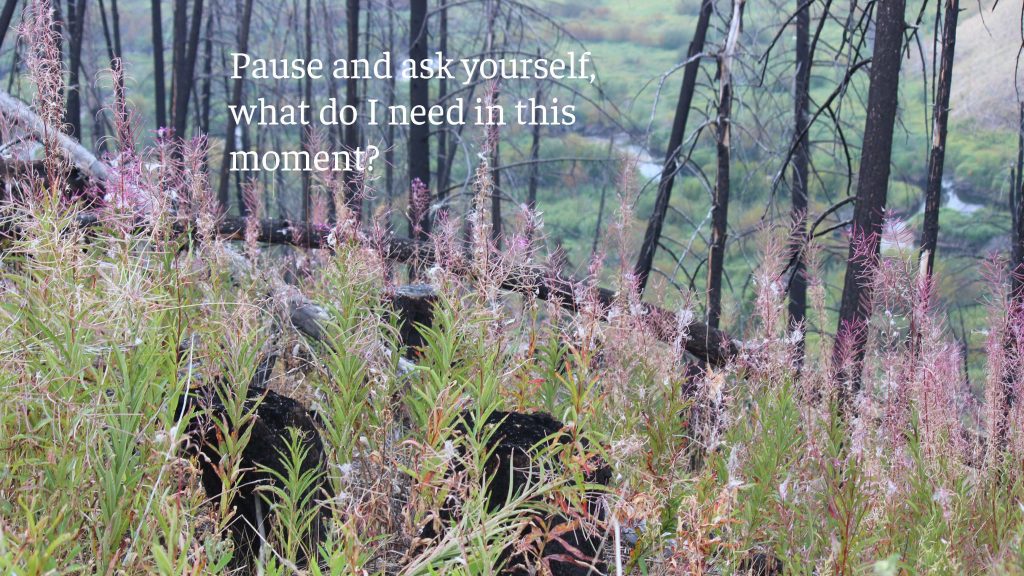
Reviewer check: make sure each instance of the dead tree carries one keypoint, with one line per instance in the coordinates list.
(305, 134)
(6, 17)
(442, 95)
(112, 36)
(352, 99)
(160, 91)
(534, 178)
(236, 100)
(495, 166)
(419, 95)
(113, 45)
(18, 114)
(205, 87)
(115, 21)
(187, 76)
(720, 202)
(179, 41)
(1017, 207)
(940, 125)
(73, 106)
(184, 52)
(645, 261)
(389, 151)
(801, 163)
(872, 189)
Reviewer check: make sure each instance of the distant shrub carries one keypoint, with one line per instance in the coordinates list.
(673, 38)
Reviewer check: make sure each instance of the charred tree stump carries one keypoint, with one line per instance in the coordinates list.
(414, 305)
(270, 432)
(515, 440)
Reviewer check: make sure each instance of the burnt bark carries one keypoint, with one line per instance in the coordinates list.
(442, 95)
(514, 442)
(645, 261)
(495, 165)
(179, 41)
(6, 16)
(534, 179)
(186, 74)
(205, 86)
(1017, 265)
(115, 20)
(305, 136)
(801, 162)
(389, 151)
(236, 100)
(872, 190)
(352, 139)
(269, 431)
(720, 202)
(108, 36)
(160, 90)
(73, 106)
(940, 124)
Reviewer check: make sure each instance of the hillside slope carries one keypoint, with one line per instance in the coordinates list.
(986, 56)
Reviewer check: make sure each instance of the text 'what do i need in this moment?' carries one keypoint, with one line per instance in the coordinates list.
(458, 112)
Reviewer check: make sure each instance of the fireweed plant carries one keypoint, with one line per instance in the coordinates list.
(716, 469)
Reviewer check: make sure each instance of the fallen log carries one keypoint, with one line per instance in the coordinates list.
(27, 170)
(15, 112)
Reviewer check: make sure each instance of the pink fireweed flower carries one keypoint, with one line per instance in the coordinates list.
(43, 60)
(419, 205)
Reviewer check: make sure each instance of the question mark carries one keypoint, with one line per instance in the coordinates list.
(372, 153)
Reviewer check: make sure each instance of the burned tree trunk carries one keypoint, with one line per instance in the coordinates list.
(645, 262)
(720, 202)
(872, 189)
(5, 19)
(442, 95)
(160, 91)
(534, 179)
(419, 95)
(352, 99)
(186, 74)
(495, 167)
(73, 109)
(179, 40)
(389, 151)
(113, 52)
(1017, 265)
(1012, 332)
(236, 100)
(205, 87)
(940, 123)
(115, 20)
(305, 134)
(265, 455)
(493, 139)
(801, 162)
